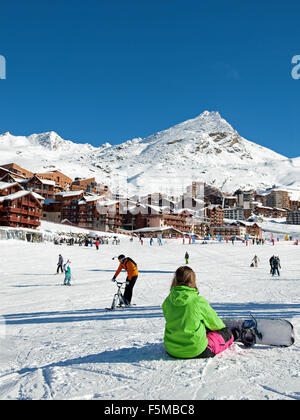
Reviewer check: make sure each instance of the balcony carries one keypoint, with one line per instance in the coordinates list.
(26, 211)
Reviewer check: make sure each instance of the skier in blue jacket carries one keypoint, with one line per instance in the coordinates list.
(68, 276)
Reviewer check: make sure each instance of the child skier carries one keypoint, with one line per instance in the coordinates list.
(193, 329)
(255, 261)
(186, 258)
(68, 276)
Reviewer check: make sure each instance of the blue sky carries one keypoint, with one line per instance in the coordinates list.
(97, 71)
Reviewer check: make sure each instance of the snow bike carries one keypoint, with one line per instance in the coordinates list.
(118, 300)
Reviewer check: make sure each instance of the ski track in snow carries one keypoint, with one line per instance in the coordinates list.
(61, 343)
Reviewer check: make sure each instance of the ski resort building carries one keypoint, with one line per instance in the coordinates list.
(294, 205)
(108, 216)
(201, 228)
(240, 229)
(52, 210)
(90, 185)
(227, 231)
(67, 203)
(84, 210)
(155, 217)
(44, 187)
(235, 213)
(277, 198)
(293, 217)
(18, 207)
(164, 232)
(245, 201)
(271, 212)
(16, 169)
(215, 213)
(58, 177)
(11, 177)
(87, 185)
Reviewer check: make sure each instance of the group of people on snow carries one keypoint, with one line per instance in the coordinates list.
(184, 311)
(192, 327)
(274, 265)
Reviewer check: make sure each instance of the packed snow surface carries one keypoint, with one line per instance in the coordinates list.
(59, 342)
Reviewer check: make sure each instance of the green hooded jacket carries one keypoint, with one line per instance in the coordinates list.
(187, 316)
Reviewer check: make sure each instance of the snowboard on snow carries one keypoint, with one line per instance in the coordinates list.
(269, 331)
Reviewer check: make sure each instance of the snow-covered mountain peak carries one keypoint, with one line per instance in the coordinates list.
(50, 140)
(208, 138)
(205, 148)
(207, 121)
(6, 134)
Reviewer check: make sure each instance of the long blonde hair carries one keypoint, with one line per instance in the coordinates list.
(184, 276)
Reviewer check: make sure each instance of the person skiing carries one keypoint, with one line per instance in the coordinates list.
(275, 266)
(68, 276)
(60, 264)
(255, 260)
(193, 329)
(186, 258)
(130, 267)
(271, 263)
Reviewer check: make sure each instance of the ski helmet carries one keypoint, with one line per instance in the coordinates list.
(121, 257)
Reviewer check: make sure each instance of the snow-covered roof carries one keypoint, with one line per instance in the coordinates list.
(107, 203)
(270, 208)
(69, 193)
(43, 181)
(213, 206)
(38, 196)
(87, 199)
(156, 229)
(241, 222)
(4, 185)
(14, 177)
(47, 181)
(13, 196)
(186, 209)
(19, 194)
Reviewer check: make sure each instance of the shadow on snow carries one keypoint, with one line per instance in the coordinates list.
(149, 352)
(224, 310)
(83, 315)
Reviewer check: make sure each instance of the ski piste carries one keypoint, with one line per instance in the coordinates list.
(269, 331)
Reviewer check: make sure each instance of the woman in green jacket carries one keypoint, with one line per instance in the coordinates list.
(193, 329)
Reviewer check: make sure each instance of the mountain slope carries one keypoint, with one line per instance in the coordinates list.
(205, 148)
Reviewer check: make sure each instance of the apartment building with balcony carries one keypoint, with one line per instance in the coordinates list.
(60, 179)
(44, 187)
(18, 207)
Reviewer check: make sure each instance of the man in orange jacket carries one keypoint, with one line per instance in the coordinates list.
(130, 266)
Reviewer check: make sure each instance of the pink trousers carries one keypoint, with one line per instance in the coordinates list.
(216, 342)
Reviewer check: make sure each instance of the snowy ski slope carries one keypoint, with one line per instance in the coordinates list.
(58, 342)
